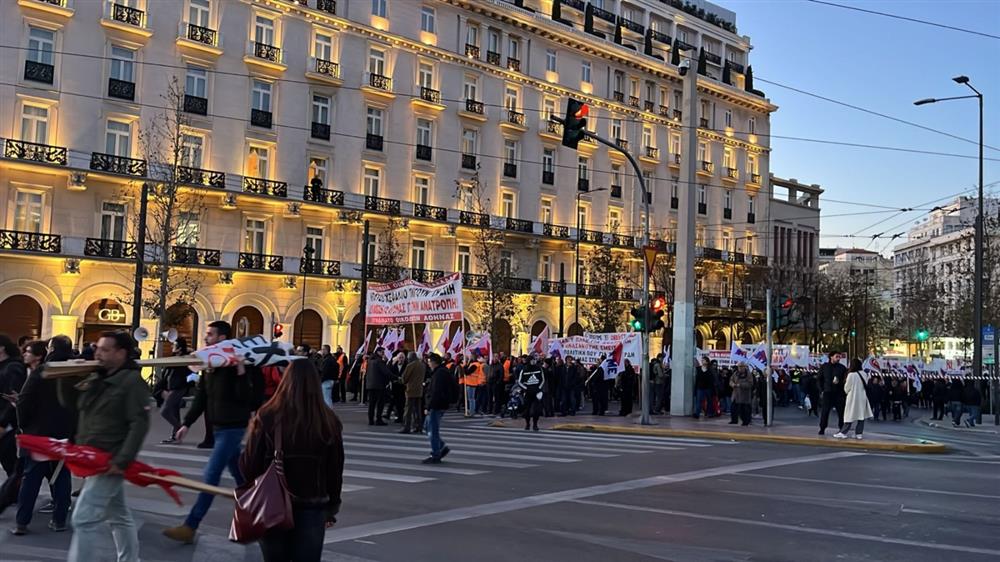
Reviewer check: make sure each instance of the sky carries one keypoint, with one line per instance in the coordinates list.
(883, 65)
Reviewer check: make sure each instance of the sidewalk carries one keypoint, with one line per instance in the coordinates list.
(785, 432)
(986, 428)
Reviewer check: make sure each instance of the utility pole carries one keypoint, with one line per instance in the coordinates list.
(307, 253)
(767, 372)
(140, 257)
(562, 293)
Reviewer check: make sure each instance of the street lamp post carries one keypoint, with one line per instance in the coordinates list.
(576, 264)
(307, 253)
(977, 316)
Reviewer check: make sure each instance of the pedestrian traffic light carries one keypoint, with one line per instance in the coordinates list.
(278, 331)
(638, 315)
(574, 123)
(657, 309)
(923, 334)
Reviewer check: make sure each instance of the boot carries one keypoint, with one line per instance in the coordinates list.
(180, 533)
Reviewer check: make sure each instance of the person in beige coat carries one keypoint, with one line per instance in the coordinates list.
(857, 409)
(413, 380)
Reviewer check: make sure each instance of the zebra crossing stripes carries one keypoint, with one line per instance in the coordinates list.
(492, 446)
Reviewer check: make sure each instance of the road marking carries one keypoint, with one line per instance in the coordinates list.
(784, 527)
(972, 460)
(624, 439)
(350, 444)
(450, 461)
(419, 468)
(354, 488)
(462, 513)
(477, 444)
(384, 476)
(876, 486)
(173, 456)
(555, 442)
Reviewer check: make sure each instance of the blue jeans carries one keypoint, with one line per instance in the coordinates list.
(102, 504)
(304, 541)
(432, 425)
(61, 486)
(700, 395)
(470, 395)
(973, 412)
(225, 453)
(328, 393)
(724, 404)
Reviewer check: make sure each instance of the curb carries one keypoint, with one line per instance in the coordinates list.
(929, 447)
(949, 427)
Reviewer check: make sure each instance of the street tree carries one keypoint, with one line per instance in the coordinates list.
(388, 264)
(606, 268)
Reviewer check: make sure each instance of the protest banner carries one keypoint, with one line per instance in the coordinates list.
(409, 301)
(589, 347)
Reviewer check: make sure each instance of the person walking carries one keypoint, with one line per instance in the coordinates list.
(742, 386)
(532, 382)
(413, 380)
(174, 387)
(704, 382)
(442, 390)
(39, 413)
(377, 378)
(856, 407)
(831, 384)
(301, 426)
(330, 370)
(226, 393)
(113, 406)
(658, 375)
(972, 400)
(626, 382)
(939, 396)
(12, 376)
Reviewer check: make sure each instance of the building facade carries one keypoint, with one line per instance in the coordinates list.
(306, 119)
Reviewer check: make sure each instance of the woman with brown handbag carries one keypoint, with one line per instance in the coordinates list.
(297, 427)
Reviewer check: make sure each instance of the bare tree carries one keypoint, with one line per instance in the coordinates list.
(606, 269)
(388, 264)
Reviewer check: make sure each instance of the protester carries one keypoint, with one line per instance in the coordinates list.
(831, 381)
(626, 382)
(228, 394)
(441, 391)
(532, 381)
(377, 378)
(658, 376)
(703, 385)
(174, 383)
(742, 384)
(972, 399)
(413, 381)
(939, 395)
(856, 407)
(472, 377)
(312, 450)
(598, 388)
(113, 406)
(330, 370)
(12, 376)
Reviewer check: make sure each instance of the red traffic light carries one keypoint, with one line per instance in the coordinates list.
(658, 304)
(787, 303)
(582, 112)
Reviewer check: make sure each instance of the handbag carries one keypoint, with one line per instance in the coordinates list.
(265, 503)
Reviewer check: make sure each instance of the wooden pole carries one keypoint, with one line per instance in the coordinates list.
(191, 484)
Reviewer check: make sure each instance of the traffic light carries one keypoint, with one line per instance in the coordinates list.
(278, 331)
(657, 308)
(782, 314)
(574, 123)
(923, 334)
(638, 315)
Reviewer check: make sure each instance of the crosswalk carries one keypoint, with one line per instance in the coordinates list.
(378, 457)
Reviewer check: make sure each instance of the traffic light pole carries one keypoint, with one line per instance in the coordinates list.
(769, 414)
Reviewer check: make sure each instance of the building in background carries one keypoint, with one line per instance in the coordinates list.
(794, 238)
(307, 119)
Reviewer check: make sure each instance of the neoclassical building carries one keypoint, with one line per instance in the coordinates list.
(306, 119)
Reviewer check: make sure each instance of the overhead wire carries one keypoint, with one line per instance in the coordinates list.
(906, 18)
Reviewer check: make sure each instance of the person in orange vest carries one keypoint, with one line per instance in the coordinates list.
(474, 377)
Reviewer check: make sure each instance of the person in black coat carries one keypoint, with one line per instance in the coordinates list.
(832, 376)
(377, 378)
(955, 394)
(939, 395)
(442, 390)
(626, 382)
(972, 400)
(598, 389)
(329, 376)
(174, 385)
(12, 376)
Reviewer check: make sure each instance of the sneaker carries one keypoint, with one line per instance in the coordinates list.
(56, 527)
(180, 533)
(204, 445)
(839, 435)
(169, 441)
(404, 430)
(859, 437)
(19, 530)
(431, 460)
(49, 507)
(445, 451)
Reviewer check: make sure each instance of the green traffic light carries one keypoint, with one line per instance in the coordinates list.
(854, 333)
(923, 335)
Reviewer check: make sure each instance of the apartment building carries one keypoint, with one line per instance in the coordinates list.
(305, 119)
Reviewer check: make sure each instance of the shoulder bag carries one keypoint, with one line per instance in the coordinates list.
(265, 503)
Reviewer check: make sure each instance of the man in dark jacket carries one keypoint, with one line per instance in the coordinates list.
(12, 376)
(228, 395)
(330, 373)
(939, 395)
(704, 385)
(413, 381)
(376, 379)
(832, 376)
(175, 385)
(598, 388)
(441, 391)
(972, 400)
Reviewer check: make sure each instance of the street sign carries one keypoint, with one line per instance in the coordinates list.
(989, 345)
(649, 256)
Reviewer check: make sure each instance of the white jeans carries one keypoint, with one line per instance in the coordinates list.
(328, 393)
(102, 499)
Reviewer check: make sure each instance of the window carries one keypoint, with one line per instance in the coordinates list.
(196, 82)
(425, 75)
(550, 60)
(259, 162)
(582, 215)
(548, 160)
(192, 148)
(727, 243)
(372, 247)
(616, 175)
(471, 87)
(317, 169)
(678, 99)
(702, 198)
(376, 61)
(547, 216)
(650, 91)
(254, 236)
(664, 97)
(314, 240)
(122, 62)
(472, 34)
(507, 208)
(729, 199)
(112, 220)
(703, 152)
(470, 139)
(323, 46)
(614, 220)
(510, 97)
(118, 138)
(424, 130)
(35, 124)
(751, 164)
(506, 263)
(372, 181)
(513, 47)
(493, 41)
(260, 96)
(752, 126)
(321, 109)
(464, 259)
(199, 12)
(548, 109)
(374, 121)
(28, 211)
(545, 268)
(619, 81)
(675, 144)
(41, 44)
(729, 118)
(647, 136)
(728, 159)
(616, 129)
(427, 19)
(704, 110)
(422, 190)
(418, 251)
(188, 229)
(585, 71)
(263, 30)
(583, 168)
(378, 8)
(633, 87)
(750, 242)
(673, 191)
(751, 207)
(510, 151)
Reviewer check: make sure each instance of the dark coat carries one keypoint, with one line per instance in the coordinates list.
(439, 391)
(378, 375)
(13, 373)
(971, 396)
(228, 397)
(742, 385)
(330, 369)
(38, 409)
(829, 372)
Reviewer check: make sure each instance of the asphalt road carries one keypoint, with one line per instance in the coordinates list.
(506, 494)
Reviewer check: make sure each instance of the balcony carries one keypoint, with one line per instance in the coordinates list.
(260, 118)
(713, 58)
(652, 152)
(261, 186)
(711, 253)
(515, 117)
(678, 114)
(30, 242)
(755, 179)
(267, 52)
(582, 184)
(703, 122)
(622, 144)
(616, 191)
(474, 219)
(633, 101)
(553, 287)
(727, 213)
(425, 275)
(261, 262)
(664, 111)
(509, 170)
(328, 6)
(327, 69)
(603, 14)
(604, 291)
(105, 248)
(751, 218)
(121, 89)
(758, 260)
(732, 174)
(707, 167)
(714, 301)
(424, 152)
(468, 161)
(553, 128)
(430, 94)
(632, 26)
(702, 208)
(674, 203)
(472, 51)
(380, 82)
(618, 97)
(123, 165)
(320, 131)
(195, 105)
(591, 236)
(623, 240)
(127, 15)
(493, 58)
(382, 273)
(648, 105)
(35, 152)
(382, 205)
(430, 212)
(373, 142)
(473, 106)
(188, 255)
(517, 284)
(735, 66)
(513, 64)
(315, 266)
(575, 4)
(39, 72)
(555, 230)
(474, 281)
(674, 160)
(548, 177)
(317, 194)
(519, 225)
(196, 176)
(203, 35)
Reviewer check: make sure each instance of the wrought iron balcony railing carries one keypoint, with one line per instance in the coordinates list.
(430, 94)
(320, 131)
(513, 64)
(553, 287)
(618, 96)
(648, 105)
(266, 52)
(383, 273)
(631, 25)
(124, 165)
(553, 127)
(474, 106)
(474, 219)
(106, 248)
(261, 118)
(261, 186)
(127, 14)
(555, 230)
(315, 266)
(196, 105)
(735, 66)
(469, 161)
(517, 284)
(755, 178)
(622, 143)
(711, 253)
(713, 58)
(493, 57)
(603, 14)
(515, 117)
(201, 34)
(374, 142)
(189, 255)
(382, 205)
(35, 152)
(623, 240)
(121, 89)
(474, 281)
(604, 291)
(591, 236)
(30, 241)
(39, 72)
(472, 50)
(678, 114)
(328, 68)
(664, 111)
(732, 173)
(633, 101)
(424, 152)
(703, 121)
(652, 152)
(519, 225)
(425, 275)
(707, 166)
(422, 211)
(380, 82)
(261, 262)
(317, 194)
(196, 176)
(328, 6)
